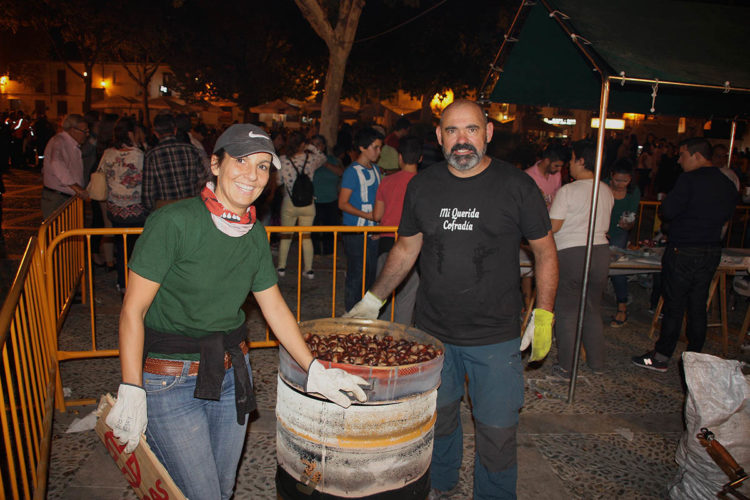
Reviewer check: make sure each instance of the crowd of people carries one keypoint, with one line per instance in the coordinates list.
(692, 223)
(147, 167)
(462, 216)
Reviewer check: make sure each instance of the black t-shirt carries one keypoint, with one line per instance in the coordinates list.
(469, 264)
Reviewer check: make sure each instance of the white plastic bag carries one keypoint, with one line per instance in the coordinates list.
(719, 399)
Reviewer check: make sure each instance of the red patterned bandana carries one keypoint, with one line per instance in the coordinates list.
(216, 208)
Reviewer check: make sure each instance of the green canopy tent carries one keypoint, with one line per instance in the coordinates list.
(558, 52)
(672, 57)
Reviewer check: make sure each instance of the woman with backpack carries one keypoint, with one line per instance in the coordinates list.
(298, 205)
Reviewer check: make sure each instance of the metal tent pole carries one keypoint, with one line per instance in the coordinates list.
(604, 100)
(731, 142)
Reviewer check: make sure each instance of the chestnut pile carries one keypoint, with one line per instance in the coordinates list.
(369, 350)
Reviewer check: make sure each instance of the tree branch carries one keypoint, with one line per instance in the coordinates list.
(316, 16)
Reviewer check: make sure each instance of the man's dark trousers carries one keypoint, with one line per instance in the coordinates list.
(686, 277)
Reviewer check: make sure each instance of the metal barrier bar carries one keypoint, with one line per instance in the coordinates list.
(336, 230)
(76, 242)
(68, 265)
(67, 244)
(27, 377)
(59, 245)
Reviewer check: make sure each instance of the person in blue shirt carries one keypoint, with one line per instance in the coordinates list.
(359, 185)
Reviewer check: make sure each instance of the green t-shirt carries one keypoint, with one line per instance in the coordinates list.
(630, 204)
(205, 275)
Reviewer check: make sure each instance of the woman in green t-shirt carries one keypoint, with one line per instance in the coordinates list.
(627, 198)
(183, 351)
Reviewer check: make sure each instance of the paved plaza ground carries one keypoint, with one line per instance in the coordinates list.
(616, 440)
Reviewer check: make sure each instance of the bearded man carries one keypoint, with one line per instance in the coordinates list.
(465, 218)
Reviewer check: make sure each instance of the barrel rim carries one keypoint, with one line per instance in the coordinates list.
(375, 374)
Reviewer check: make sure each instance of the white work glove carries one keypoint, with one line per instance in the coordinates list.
(538, 334)
(127, 418)
(367, 308)
(330, 383)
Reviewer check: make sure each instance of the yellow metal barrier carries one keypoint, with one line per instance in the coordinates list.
(82, 237)
(27, 377)
(300, 231)
(80, 241)
(64, 275)
(68, 256)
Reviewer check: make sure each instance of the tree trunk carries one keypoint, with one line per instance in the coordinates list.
(87, 79)
(339, 41)
(329, 113)
(425, 115)
(146, 114)
(143, 74)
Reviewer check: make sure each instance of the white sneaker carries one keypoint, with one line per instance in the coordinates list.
(309, 274)
(281, 271)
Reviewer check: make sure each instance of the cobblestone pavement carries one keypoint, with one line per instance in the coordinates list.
(617, 439)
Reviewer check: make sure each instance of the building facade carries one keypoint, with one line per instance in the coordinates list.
(54, 89)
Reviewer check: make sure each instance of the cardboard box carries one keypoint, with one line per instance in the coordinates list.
(142, 469)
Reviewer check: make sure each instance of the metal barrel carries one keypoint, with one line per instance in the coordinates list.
(357, 452)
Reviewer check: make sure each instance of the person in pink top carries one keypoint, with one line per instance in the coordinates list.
(389, 203)
(546, 172)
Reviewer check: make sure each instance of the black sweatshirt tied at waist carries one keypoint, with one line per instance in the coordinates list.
(211, 369)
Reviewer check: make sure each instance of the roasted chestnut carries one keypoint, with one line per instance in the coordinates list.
(363, 349)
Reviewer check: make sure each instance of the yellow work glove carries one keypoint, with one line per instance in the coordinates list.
(538, 333)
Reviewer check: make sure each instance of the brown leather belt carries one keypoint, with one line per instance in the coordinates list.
(173, 367)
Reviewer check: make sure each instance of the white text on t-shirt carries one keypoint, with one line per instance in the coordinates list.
(452, 216)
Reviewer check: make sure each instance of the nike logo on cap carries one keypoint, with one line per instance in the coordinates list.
(252, 135)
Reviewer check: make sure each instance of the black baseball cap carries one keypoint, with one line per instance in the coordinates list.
(243, 139)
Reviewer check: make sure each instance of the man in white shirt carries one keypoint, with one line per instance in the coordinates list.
(63, 167)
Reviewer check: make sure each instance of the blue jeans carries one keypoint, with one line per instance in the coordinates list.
(686, 276)
(198, 441)
(354, 249)
(620, 281)
(326, 214)
(496, 390)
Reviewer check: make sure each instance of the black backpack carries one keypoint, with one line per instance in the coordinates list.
(302, 189)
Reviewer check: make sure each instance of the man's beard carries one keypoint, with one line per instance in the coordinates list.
(464, 162)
